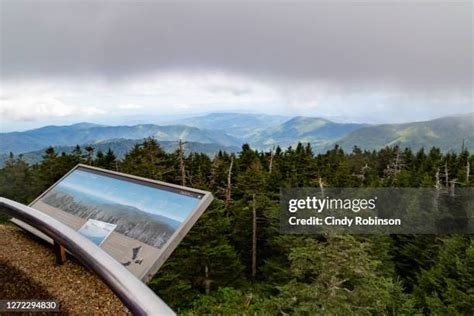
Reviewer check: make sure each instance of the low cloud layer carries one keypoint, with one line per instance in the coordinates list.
(310, 54)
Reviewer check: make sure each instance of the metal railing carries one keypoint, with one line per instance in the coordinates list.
(136, 295)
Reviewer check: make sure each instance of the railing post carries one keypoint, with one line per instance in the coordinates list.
(59, 252)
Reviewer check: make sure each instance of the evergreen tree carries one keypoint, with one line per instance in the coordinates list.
(338, 277)
(447, 287)
(148, 160)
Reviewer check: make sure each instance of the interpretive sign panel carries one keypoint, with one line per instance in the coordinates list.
(137, 221)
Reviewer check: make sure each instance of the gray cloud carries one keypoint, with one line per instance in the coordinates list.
(415, 46)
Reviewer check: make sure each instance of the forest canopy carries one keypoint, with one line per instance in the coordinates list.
(236, 261)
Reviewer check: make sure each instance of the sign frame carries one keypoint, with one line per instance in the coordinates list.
(203, 203)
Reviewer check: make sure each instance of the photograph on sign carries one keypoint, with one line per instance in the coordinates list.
(133, 219)
(96, 231)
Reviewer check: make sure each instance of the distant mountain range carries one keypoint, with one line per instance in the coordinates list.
(86, 133)
(447, 133)
(228, 131)
(239, 125)
(317, 131)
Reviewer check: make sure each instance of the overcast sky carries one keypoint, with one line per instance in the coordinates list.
(63, 62)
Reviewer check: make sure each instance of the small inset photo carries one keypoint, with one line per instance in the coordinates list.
(96, 231)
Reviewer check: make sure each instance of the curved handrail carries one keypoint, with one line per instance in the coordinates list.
(132, 292)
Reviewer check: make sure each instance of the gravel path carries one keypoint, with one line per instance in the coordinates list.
(28, 271)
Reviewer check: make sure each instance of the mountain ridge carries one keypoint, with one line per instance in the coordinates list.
(37, 139)
(446, 133)
(317, 131)
(235, 124)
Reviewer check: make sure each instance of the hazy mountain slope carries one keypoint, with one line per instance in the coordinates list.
(39, 138)
(317, 131)
(121, 146)
(447, 133)
(84, 133)
(236, 124)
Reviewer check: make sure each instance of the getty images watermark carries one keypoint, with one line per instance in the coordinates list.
(377, 210)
